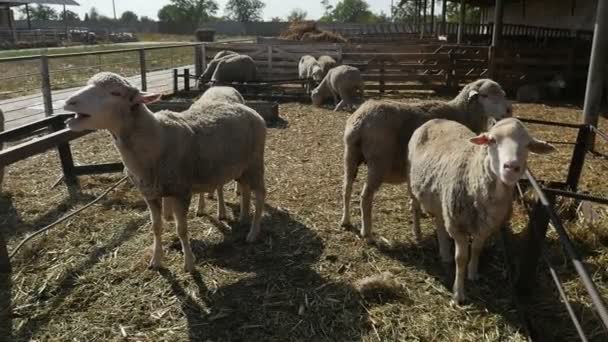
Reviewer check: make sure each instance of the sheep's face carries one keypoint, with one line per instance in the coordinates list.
(316, 97)
(491, 97)
(103, 102)
(508, 144)
(317, 73)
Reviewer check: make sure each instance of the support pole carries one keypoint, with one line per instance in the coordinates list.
(595, 76)
(423, 26)
(461, 23)
(444, 9)
(433, 17)
(27, 14)
(498, 14)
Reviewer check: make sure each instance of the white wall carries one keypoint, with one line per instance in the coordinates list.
(550, 13)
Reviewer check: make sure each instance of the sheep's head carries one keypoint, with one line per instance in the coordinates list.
(317, 73)
(316, 97)
(490, 96)
(508, 144)
(103, 102)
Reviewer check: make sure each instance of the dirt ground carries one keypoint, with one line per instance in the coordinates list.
(87, 279)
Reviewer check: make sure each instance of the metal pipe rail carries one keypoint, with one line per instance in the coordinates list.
(580, 268)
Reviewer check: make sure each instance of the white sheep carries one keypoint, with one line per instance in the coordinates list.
(378, 132)
(224, 53)
(1, 147)
(230, 67)
(221, 94)
(467, 183)
(549, 90)
(327, 63)
(343, 81)
(309, 68)
(170, 154)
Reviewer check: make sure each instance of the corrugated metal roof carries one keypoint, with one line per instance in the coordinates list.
(46, 2)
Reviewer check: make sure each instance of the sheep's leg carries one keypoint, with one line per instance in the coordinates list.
(237, 189)
(476, 248)
(221, 206)
(416, 219)
(260, 198)
(367, 196)
(180, 206)
(167, 209)
(1, 176)
(443, 239)
(245, 203)
(155, 206)
(210, 195)
(200, 210)
(339, 106)
(335, 98)
(462, 256)
(351, 166)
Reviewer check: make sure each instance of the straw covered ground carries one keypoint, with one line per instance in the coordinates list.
(87, 279)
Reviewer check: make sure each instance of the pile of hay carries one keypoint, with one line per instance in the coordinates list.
(308, 31)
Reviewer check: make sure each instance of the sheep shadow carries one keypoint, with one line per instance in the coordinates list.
(282, 298)
(494, 292)
(67, 283)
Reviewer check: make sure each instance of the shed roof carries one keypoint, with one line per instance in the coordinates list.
(45, 2)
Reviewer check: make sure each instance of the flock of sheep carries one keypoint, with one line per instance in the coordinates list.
(460, 159)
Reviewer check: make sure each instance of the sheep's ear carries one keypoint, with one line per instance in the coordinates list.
(473, 94)
(146, 98)
(482, 139)
(540, 147)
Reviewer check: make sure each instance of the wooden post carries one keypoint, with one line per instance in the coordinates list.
(65, 156)
(497, 31)
(423, 26)
(27, 14)
(198, 63)
(444, 9)
(204, 56)
(381, 83)
(46, 85)
(5, 264)
(269, 71)
(187, 79)
(461, 23)
(595, 76)
(175, 80)
(433, 17)
(143, 69)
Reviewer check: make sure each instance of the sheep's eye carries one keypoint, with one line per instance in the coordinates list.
(116, 93)
(492, 141)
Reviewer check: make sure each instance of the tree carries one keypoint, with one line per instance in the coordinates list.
(93, 14)
(41, 12)
(129, 17)
(146, 19)
(188, 11)
(297, 14)
(244, 10)
(69, 16)
(276, 19)
(352, 11)
(86, 17)
(328, 12)
(472, 15)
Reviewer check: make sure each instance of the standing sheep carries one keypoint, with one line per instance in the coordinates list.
(467, 182)
(170, 154)
(549, 90)
(378, 132)
(327, 63)
(308, 68)
(221, 94)
(343, 81)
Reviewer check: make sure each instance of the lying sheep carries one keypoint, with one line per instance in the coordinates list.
(378, 132)
(170, 154)
(467, 183)
(1, 146)
(221, 94)
(343, 81)
(234, 68)
(224, 53)
(327, 63)
(541, 91)
(309, 68)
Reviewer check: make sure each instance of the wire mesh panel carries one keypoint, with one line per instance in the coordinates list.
(160, 64)
(20, 96)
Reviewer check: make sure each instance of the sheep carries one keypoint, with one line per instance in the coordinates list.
(308, 68)
(224, 53)
(327, 63)
(467, 183)
(343, 80)
(235, 68)
(378, 132)
(170, 154)
(222, 94)
(541, 91)
(1, 147)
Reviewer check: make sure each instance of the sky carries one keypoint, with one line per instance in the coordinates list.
(274, 8)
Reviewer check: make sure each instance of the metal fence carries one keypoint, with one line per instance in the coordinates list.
(36, 86)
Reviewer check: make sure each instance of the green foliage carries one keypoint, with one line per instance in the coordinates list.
(69, 16)
(351, 11)
(245, 10)
(129, 17)
(472, 15)
(188, 11)
(40, 12)
(297, 14)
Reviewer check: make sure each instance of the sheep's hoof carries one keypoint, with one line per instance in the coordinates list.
(345, 223)
(154, 265)
(189, 267)
(221, 217)
(168, 218)
(458, 299)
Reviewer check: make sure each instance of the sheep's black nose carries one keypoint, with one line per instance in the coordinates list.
(511, 166)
